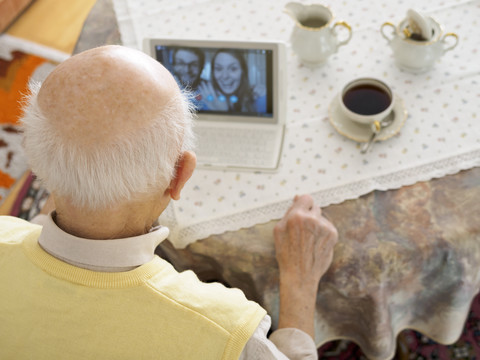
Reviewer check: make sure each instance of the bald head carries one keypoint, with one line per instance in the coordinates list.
(104, 93)
(106, 125)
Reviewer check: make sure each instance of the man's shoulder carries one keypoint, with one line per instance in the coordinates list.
(14, 230)
(225, 306)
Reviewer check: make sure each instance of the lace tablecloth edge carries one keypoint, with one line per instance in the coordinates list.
(182, 237)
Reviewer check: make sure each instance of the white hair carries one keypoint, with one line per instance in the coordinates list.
(107, 173)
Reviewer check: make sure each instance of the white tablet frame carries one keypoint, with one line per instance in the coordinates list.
(278, 73)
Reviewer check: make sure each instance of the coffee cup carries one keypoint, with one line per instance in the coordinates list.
(415, 55)
(366, 100)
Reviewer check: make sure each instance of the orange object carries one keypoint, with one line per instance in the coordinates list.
(14, 77)
(6, 180)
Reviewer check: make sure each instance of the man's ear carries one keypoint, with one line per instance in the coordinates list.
(184, 170)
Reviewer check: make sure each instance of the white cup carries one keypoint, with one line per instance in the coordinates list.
(366, 100)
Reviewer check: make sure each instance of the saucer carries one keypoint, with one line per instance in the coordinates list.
(361, 132)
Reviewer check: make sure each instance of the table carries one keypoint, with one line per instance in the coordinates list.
(407, 258)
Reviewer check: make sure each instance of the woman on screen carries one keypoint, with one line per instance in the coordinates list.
(229, 88)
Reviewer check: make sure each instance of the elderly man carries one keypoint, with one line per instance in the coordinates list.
(109, 133)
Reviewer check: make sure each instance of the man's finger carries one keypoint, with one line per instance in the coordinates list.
(303, 201)
(317, 211)
(330, 229)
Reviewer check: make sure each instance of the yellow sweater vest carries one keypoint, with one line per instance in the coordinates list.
(52, 310)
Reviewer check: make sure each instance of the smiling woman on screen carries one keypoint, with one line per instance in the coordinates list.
(229, 88)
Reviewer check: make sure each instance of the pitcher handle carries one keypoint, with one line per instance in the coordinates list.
(349, 28)
(383, 31)
(452, 46)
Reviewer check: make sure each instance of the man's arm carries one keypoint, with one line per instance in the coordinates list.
(304, 242)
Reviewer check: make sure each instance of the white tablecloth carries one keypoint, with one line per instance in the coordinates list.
(441, 134)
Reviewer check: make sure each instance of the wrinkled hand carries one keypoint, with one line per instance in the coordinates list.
(210, 98)
(304, 242)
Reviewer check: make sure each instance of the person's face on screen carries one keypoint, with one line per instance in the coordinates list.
(187, 67)
(227, 72)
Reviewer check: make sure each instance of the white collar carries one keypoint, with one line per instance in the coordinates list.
(114, 255)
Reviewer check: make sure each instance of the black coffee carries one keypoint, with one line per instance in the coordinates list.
(366, 99)
(313, 22)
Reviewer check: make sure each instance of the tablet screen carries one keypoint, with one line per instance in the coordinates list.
(223, 80)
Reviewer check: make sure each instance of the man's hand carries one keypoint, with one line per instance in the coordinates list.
(304, 242)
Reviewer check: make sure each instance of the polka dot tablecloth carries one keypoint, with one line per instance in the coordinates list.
(441, 134)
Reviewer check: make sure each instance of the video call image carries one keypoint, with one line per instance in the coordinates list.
(234, 81)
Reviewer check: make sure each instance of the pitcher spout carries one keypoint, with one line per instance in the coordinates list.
(295, 10)
(311, 17)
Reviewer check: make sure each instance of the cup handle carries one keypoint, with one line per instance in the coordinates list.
(349, 28)
(383, 31)
(455, 36)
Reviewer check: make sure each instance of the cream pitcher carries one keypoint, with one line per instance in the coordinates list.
(313, 38)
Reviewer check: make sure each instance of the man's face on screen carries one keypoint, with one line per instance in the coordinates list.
(186, 67)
